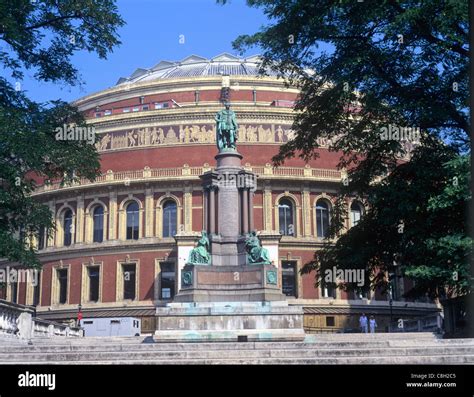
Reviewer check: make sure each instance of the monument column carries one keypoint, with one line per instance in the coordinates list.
(205, 209)
(229, 283)
(251, 225)
(212, 211)
(245, 210)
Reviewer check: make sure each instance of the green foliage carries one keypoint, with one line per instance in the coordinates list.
(400, 63)
(42, 36)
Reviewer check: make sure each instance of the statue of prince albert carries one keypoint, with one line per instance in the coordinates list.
(226, 129)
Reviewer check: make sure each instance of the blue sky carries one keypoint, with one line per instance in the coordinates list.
(151, 34)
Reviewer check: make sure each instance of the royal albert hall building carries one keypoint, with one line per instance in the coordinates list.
(115, 249)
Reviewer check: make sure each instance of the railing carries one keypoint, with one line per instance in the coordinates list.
(432, 323)
(18, 321)
(186, 172)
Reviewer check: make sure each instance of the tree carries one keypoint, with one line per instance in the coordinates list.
(42, 37)
(363, 68)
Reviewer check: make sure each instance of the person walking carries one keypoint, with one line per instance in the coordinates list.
(372, 324)
(363, 323)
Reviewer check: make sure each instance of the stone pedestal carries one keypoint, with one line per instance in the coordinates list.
(229, 321)
(229, 284)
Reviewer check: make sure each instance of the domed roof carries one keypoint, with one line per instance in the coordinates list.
(194, 65)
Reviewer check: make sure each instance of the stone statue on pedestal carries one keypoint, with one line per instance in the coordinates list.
(256, 254)
(200, 254)
(226, 129)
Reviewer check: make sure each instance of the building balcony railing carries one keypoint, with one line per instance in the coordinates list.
(192, 173)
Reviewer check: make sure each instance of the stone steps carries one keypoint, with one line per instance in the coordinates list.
(382, 360)
(228, 346)
(317, 349)
(230, 354)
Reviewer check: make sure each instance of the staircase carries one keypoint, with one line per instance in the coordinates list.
(406, 348)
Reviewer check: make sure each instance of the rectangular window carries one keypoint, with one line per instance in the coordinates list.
(168, 279)
(98, 114)
(98, 236)
(129, 279)
(288, 278)
(107, 113)
(330, 321)
(94, 283)
(62, 284)
(136, 109)
(145, 107)
(126, 110)
(161, 105)
(36, 291)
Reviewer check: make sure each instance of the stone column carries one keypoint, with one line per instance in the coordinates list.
(267, 209)
(228, 204)
(80, 219)
(188, 210)
(306, 213)
(212, 211)
(51, 233)
(148, 212)
(251, 224)
(205, 209)
(245, 211)
(112, 215)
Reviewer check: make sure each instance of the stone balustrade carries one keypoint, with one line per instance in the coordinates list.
(187, 172)
(19, 321)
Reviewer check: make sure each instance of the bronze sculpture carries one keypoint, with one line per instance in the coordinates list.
(226, 129)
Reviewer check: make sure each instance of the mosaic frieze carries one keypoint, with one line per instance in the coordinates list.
(186, 134)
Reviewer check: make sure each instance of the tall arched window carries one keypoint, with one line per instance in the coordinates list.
(322, 218)
(68, 226)
(169, 218)
(356, 213)
(133, 222)
(98, 224)
(285, 217)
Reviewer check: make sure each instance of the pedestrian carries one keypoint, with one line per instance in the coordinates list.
(363, 323)
(372, 324)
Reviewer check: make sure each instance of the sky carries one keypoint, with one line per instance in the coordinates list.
(152, 33)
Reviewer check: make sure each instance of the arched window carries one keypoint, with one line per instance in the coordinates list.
(132, 221)
(322, 218)
(169, 218)
(285, 217)
(68, 226)
(98, 224)
(356, 213)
